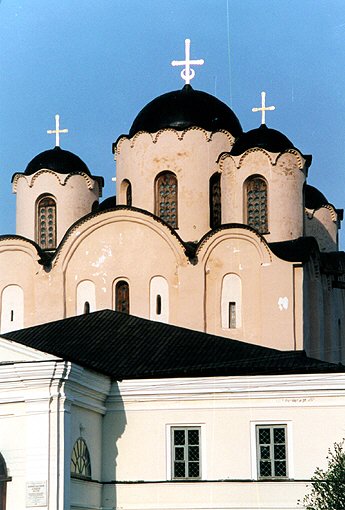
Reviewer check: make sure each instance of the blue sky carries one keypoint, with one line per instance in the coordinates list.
(98, 62)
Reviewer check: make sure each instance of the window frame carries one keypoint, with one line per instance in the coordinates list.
(159, 287)
(38, 232)
(231, 293)
(157, 206)
(126, 188)
(73, 474)
(202, 450)
(117, 283)
(255, 449)
(215, 216)
(85, 292)
(247, 182)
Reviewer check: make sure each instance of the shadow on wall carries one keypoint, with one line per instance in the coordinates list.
(314, 228)
(114, 424)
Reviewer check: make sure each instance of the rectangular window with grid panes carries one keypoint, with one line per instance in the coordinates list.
(271, 451)
(185, 452)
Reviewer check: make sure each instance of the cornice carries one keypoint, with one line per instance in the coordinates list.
(296, 386)
(61, 178)
(180, 135)
(273, 157)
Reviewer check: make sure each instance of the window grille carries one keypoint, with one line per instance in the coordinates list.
(215, 201)
(80, 460)
(122, 297)
(186, 452)
(166, 198)
(46, 223)
(256, 189)
(272, 451)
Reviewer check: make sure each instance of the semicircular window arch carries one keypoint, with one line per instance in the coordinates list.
(80, 460)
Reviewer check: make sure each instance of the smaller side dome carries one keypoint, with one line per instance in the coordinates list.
(58, 160)
(108, 203)
(263, 137)
(313, 198)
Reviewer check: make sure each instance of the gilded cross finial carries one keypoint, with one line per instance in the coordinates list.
(57, 130)
(263, 108)
(187, 74)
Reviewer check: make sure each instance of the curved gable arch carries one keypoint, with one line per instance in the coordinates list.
(109, 219)
(238, 235)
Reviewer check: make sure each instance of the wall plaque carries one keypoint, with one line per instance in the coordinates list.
(36, 494)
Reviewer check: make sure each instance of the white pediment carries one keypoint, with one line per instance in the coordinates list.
(13, 351)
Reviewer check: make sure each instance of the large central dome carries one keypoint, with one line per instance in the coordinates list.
(185, 108)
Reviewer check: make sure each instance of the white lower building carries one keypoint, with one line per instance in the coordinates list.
(131, 414)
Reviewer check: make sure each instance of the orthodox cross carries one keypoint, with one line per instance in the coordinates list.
(187, 74)
(57, 130)
(263, 108)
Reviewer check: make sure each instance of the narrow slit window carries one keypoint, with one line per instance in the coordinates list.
(232, 315)
(126, 192)
(159, 299)
(231, 302)
(215, 201)
(12, 309)
(86, 307)
(129, 194)
(158, 304)
(122, 297)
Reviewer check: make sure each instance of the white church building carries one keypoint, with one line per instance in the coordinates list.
(178, 346)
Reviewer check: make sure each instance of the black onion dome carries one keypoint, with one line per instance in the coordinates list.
(313, 198)
(58, 160)
(185, 108)
(263, 137)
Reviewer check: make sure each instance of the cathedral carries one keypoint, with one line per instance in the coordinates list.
(211, 229)
(206, 298)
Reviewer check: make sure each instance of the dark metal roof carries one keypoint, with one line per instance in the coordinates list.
(185, 108)
(127, 347)
(314, 199)
(333, 262)
(263, 137)
(108, 203)
(296, 250)
(58, 160)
